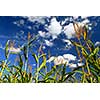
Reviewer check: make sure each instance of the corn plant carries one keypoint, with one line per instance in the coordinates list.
(89, 54)
(16, 73)
(22, 72)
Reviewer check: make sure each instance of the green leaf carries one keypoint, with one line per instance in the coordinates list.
(7, 49)
(25, 52)
(84, 53)
(99, 79)
(49, 74)
(94, 73)
(96, 50)
(43, 63)
(76, 44)
(33, 39)
(35, 57)
(42, 55)
(79, 71)
(21, 61)
(91, 44)
(63, 72)
(94, 53)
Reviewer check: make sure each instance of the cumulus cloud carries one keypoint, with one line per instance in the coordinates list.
(51, 59)
(54, 28)
(29, 27)
(40, 19)
(59, 60)
(68, 43)
(43, 47)
(72, 65)
(69, 31)
(97, 43)
(84, 22)
(63, 22)
(42, 34)
(69, 57)
(65, 59)
(20, 22)
(48, 43)
(84, 17)
(14, 50)
(75, 17)
(80, 64)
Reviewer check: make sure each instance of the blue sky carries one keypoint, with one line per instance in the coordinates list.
(53, 31)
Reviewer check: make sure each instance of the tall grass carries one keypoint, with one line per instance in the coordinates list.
(87, 53)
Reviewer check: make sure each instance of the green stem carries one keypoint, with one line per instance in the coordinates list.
(37, 73)
(88, 67)
(27, 50)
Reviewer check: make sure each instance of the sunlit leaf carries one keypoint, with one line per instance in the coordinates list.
(35, 57)
(84, 53)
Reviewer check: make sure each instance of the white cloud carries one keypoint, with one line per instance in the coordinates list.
(84, 17)
(42, 34)
(80, 64)
(59, 60)
(68, 42)
(75, 17)
(63, 22)
(69, 31)
(85, 21)
(54, 28)
(22, 22)
(44, 47)
(65, 59)
(73, 65)
(40, 19)
(51, 59)
(97, 43)
(29, 27)
(14, 50)
(48, 43)
(19, 22)
(69, 57)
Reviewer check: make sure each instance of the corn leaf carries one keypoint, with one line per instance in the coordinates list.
(35, 57)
